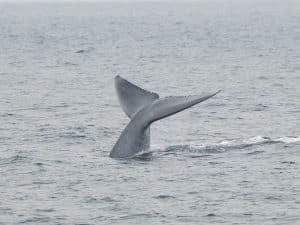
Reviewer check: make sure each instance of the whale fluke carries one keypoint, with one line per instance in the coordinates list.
(131, 97)
(144, 108)
(173, 104)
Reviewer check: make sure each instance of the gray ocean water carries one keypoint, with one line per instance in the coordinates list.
(233, 159)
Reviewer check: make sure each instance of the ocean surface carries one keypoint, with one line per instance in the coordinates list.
(234, 159)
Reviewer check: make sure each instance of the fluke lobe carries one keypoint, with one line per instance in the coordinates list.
(144, 108)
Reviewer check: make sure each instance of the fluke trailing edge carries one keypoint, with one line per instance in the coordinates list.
(143, 108)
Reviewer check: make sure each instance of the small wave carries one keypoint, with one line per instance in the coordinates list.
(107, 199)
(288, 140)
(137, 215)
(255, 152)
(141, 156)
(144, 156)
(288, 162)
(164, 197)
(45, 210)
(7, 114)
(81, 51)
(70, 64)
(86, 50)
(36, 220)
(225, 145)
(72, 135)
(14, 159)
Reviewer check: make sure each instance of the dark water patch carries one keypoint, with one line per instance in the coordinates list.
(140, 216)
(278, 168)
(14, 160)
(142, 157)
(216, 104)
(84, 224)
(40, 166)
(146, 156)
(127, 179)
(260, 107)
(59, 161)
(84, 51)
(7, 114)
(62, 105)
(81, 51)
(193, 192)
(200, 156)
(211, 215)
(218, 174)
(5, 138)
(71, 135)
(245, 182)
(6, 210)
(78, 128)
(132, 216)
(42, 182)
(288, 162)
(70, 64)
(91, 199)
(37, 107)
(164, 197)
(108, 199)
(18, 63)
(46, 210)
(167, 179)
(169, 153)
(36, 220)
(107, 131)
(272, 197)
(255, 152)
(215, 163)
(277, 85)
(223, 118)
(185, 218)
(262, 78)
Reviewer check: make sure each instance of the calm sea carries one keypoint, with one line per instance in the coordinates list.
(233, 159)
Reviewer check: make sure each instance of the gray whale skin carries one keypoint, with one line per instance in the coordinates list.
(144, 108)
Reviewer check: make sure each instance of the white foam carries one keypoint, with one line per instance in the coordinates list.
(288, 139)
(236, 143)
(257, 140)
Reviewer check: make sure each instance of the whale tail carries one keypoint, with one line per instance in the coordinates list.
(133, 98)
(173, 104)
(143, 108)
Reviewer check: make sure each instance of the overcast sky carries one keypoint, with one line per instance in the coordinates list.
(87, 0)
(132, 0)
(109, 0)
